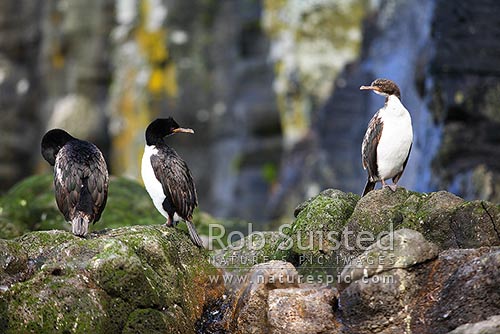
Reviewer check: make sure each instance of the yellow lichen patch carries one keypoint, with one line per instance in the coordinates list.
(156, 81)
(145, 80)
(163, 80)
(313, 41)
(57, 59)
(127, 142)
(170, 74)
(153, 43)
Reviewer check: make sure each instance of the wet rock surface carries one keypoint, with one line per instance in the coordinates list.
(251, 310)
(470, 294)
(464, 83)
(432, 297)
(271, 300)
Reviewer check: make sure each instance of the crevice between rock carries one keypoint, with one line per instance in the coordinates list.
(491, 218)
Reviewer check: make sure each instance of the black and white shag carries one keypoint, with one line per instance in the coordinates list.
(80, 178)
(167, 177)
(387, 143)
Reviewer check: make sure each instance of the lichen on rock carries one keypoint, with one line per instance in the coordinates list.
(54, 282)
(402, 249)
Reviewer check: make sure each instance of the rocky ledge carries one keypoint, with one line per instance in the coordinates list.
(390, 262)
(401, 262)
(142, 279)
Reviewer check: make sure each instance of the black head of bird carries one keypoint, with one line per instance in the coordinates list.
(52, 142)
(384, 87)
(161, 128)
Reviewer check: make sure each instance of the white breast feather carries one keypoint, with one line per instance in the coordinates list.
(153, 186)
(396, 139)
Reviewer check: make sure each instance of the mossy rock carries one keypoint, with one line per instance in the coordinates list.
(253, 249)
(30, 206)
(376, 213)
(13, 262)
(128, 204)
(153, 321)
(443, 218)
(55, 282)
(216, 230)
(327, 212)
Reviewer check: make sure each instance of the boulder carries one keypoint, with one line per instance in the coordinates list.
(459, 286)
(442, 218)
(132, 279)
(315, 234)
(251, 306)
(470, 294)
(334, 227)
(403, 249)
(488, 326)
(302, 311)
(329, 211)
(239, 257)
(271, 300)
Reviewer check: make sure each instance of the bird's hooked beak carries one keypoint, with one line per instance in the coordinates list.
(183, 130)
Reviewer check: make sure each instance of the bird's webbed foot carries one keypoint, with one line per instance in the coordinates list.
(393, 187)
(170, 222)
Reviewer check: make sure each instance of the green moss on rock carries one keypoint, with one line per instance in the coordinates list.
(325, 213)
(44, 242)
(441, 217)
(143, 320)
(128, 204)
(253, 249)
(316, 218)
(380, 208)
(13, 260)
(30, 205)
(208, 225)
(10, 230)
(100, 284)
(56, 304)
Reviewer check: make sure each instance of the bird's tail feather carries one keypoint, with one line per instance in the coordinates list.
(368, 187)
(80, 224)
(193, 234)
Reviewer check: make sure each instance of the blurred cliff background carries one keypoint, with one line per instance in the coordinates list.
(269, 86)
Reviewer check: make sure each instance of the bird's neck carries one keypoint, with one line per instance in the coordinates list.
(393, 106)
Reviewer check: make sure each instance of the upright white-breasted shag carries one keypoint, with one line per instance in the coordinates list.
(388, 139)
(167, 177)
(80, 178)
